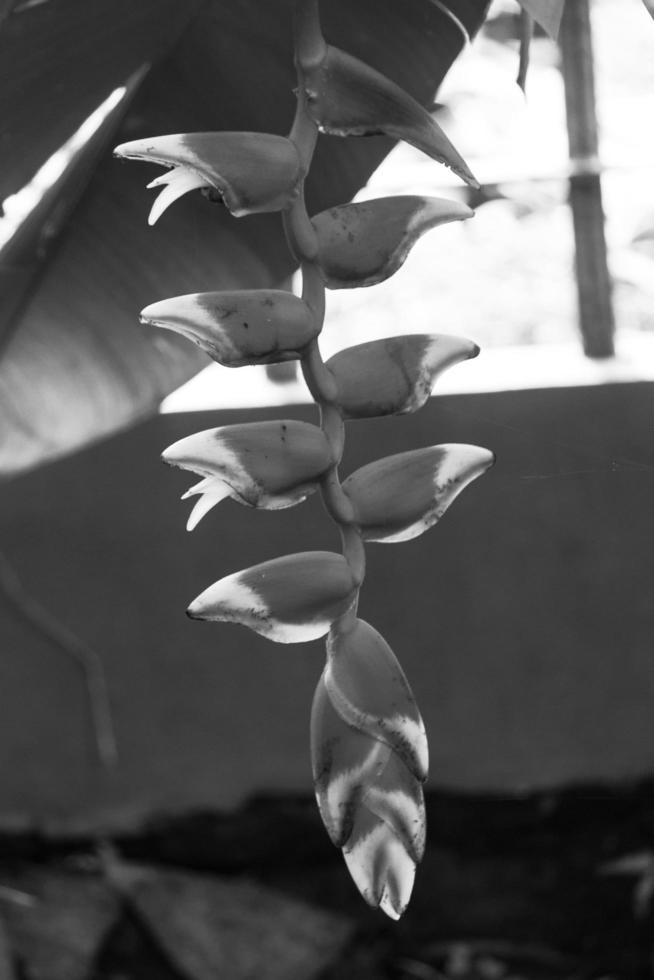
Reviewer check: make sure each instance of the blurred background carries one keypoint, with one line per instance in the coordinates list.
(156, 812)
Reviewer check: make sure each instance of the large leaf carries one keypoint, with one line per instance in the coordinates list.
(58, 61)
(77, 364)
(57, 934)
(213, 927)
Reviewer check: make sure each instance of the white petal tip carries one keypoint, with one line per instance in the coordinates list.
(158, 181)
(386, 906)
(122, 151)
(195, 517)
(157, 149)
(175, 184)
(206, 484)
(157, 209)
(207, 500)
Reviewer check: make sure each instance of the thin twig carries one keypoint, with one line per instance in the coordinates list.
(526, 34)
(455, 20)
(48, 626)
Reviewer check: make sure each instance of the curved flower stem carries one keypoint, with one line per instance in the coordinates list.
(87, 658)
(303, 243)
(310, 45)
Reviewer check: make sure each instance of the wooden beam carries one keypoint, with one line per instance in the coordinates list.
(593, 280)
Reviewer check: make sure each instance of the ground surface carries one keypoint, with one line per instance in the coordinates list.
(546, 886)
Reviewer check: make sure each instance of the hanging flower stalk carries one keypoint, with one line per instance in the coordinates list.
(368, 743)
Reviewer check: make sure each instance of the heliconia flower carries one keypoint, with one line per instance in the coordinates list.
(290, 600)
(368, 689)
(394, 376)
(363, 244)
(250, 172)
(346, 97)
(399, 497)
(345, 763)
(351, 768)
(379, 863)
(239, 327)
(396, 797)
(269, 465)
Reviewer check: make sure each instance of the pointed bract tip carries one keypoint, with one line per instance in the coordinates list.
(386, 905)
(175, 183)
(161, 312)
(480, 458)
(145, 316)
(158, 149)
(119, 151)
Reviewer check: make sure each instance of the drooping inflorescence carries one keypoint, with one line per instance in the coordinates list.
(369, 748)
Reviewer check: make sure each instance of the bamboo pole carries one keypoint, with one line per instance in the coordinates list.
(593, 280)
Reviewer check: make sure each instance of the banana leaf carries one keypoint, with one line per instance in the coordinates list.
(75, 364)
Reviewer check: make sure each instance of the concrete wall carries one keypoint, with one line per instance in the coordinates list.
(524, 621)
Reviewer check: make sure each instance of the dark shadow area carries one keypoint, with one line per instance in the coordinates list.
(534, 886)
